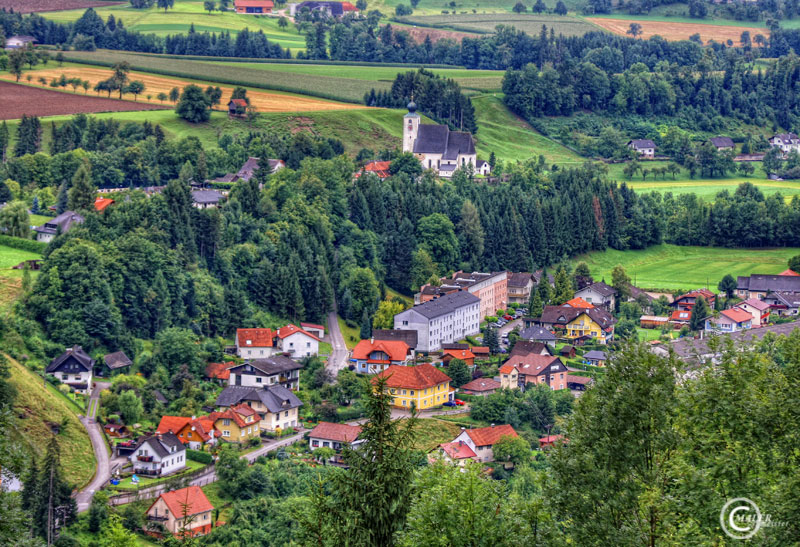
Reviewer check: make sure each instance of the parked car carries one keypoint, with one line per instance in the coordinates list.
(459, 402)
(507, 317)
(449, 403)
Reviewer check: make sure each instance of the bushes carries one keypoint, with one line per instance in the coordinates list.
(23, 244)
(197, 456)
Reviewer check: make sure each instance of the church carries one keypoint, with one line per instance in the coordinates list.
(436, 146)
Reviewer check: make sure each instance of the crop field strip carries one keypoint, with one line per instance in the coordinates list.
(486, 23)
(35, 6)
(671, 30)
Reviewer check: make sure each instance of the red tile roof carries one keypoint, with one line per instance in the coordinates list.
(578, 302)
(458, 450)
(480, 350)
(705, 293)
(204, 426)
(347, 6)
(101, 203)
(487, 436)
(507, 368)
(312, 326)
(235, 413)
(172, 423)
(737, 315)
(481, 384)
(290, 329)
(550, 439)
(219, 370)
(192, 498)
(680, 315)
(254, 338)
(462, 354)
(397, 350)
(380, 168)
(419, 377)
(789, 272)
(583, 380)
(532, 364)
(240, 102)
(342, 433)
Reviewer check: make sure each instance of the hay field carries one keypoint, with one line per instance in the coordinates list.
(675, 31)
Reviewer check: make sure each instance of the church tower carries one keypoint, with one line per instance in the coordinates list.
(410, 127)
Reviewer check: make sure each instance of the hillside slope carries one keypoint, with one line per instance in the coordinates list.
(36, 408)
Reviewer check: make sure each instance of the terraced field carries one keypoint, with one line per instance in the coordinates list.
(486, 23)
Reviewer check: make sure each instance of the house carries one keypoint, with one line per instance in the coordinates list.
(758, 310)
(101, 204)
(249, 167)
(481, 386)
(483, 439)
(722, 143)
(254, 7)
(578, 302)
(277, 369)
(74, 367)
(422, 386)
(533, 369)
(688, 300)
(378, 168)
(568, 352)
(407, 336)
(578, 383)
(575, 323)
(18, 42)
(116, 361)
(509, 377)
(436, 146)
(255, 343)
(58, 225)
(680, 317)
(790, 272)
(550, 441)
(158, 455)
(524, 347)
(296, 342)
(480, 352)
(653, 321)
(519, 286)
(598, 294)
(783, 303)
(731, 320)
(595, 358)
(445, 319)
(785, 142)
(458, 453)
(463, 354)
(538, 334)
(313, 328)
(237, 424)
(277, 405)
(237, 108)
(206, 199)
(219, 372)
(194, 432)
(332, 9)
(760, 285)
(490, 288)
(184, 513)
(646, 148)
(374, 356)
(483, 168)
(330, 435)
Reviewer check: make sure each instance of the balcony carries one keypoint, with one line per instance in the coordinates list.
(148, 472)
(157, 518)
(144, 458)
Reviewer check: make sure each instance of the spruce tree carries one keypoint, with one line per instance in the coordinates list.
(700, 311)
(62, 200)
(563, 287)
(366, 325)
(54, 507)
(535, 305)
(4, 140)
(82, 192)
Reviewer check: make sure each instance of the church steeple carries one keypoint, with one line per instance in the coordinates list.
(410, 126)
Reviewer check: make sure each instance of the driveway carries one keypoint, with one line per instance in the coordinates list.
(102, 471)
(338, 358)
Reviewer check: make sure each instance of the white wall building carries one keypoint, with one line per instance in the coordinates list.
(74, 367)
(436, 146)
(158, 455)
(255, 343)
(446, 319)
(297, 342)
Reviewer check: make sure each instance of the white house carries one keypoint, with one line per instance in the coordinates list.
(785, 142)
(277, 405)
(206, 199)
(74, 367)
(58, 225)
(646, 148)
(443, 320)
(330, 435)
(482, 440)
(297, 342)
(277, 369)
(255, 343)
(599, 295)
(313, 328)
(158, 455)
(436, 146)
(17, 42)
(483, 168)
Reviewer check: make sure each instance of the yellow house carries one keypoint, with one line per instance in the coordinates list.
(238, 424)
(509, 377)
(422, 386)
(584, 325)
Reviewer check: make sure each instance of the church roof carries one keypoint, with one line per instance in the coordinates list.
(438, 139)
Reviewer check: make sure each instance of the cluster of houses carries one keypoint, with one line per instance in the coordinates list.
(785, 142)
(265, 7)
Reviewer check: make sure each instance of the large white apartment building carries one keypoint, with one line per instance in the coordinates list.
(442, 320)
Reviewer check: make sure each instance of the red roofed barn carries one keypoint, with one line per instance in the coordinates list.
(253, 7)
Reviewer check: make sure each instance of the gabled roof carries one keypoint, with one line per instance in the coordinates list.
(481, 384)
(520, 279)
(438, 139)
(396, 350)
(763, 282)
(162, 443)
(462, 354)
(534, 364)
(341, 433)
(62, 222)
(219, 370)
(537, 333)
(488, 436)
(705, 293)
(312, 326)
(186, 502)
(412, 377)
(560, 315)
(582, 380)
(641, 143)
(680, 316)
(789, 272)
(271, 365)
(76, 353)
(458, 450)
(736, 315)
(100, 204)
(254, 338)
(116, 360)
(380, 168)
(524, 347)
(600, 288)
(205, 197)
(238, 102)
(722, 142)
(507, 368)
(790, 299)
(275, 397)
(578, 302)
(785, 137)
(755, 303)
(444, 304)
(290, 329)
(595, 354)
(407, 336)
(172, 424)
(231, 414)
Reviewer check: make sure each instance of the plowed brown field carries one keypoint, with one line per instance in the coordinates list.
(263, 101)
(678, 31)
(32, 6)
(21, 99)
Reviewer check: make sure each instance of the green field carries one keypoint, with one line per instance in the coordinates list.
(185, 13)
(486, 23)
(435, 7)
(670, 267)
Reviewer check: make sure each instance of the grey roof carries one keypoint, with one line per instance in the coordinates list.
(438, 139)
(158, 396)
(207, 196)
(595, 354)
(62, 222)
(600, 288)
(636, 292)
(561, 315)
(445, 304)
(407, 336)
(786, 136)
(162, 444)
(116, 360)
(537, 333)
(788, 298)
(641, 143)
(75, 353)
(763, 282)
(722, 142)
(525, 347)
(448, 167)
(455, 346)
(276, 397)
(519, 279)
(271, 365)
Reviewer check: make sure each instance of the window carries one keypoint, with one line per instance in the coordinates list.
(308, 344)
(404, 403)
(405, 323)
(226, 421)
(258, 379)
(241, 433)
(286, 414)
(326, 444)
(412, 392)
(315, 443)
(226, 433)
(65, 376)
(248, 430)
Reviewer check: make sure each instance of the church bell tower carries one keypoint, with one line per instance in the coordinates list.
(410, 127)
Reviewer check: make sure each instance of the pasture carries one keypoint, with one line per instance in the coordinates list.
(464, 7)
(486, 23)
(37, 6)
(670, 267)
(674, 30)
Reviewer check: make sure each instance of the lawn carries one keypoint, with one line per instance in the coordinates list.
(214, 494)
(670, 267)
(391, 293)
(431, 432)
(145, 481)
(645, 335)
(36, 409)
(351, 335)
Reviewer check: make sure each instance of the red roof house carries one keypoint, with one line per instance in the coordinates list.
(458, 452)
(688, 300)
(380, 168)
(100, 204)
(254, 343)
(335, 436)
(464, 354)
(419, 377)
(550, 441)
(253, 7)
(373, 356)
(480, 386)
(789, 272)
(578, 302)
(483, 439)
(184, 513)
(219, 371)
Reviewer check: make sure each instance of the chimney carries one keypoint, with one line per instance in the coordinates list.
(194, 418)
(492, 425)
(371, 339)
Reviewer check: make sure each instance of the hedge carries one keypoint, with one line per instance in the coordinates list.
(197, 456)
(23, 244)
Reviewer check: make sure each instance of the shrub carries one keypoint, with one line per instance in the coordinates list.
(23, 244)
(255, 441)
(197, 456)
(491, 318)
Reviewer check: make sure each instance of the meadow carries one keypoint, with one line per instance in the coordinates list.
(669, 267)
(11, 280)
(435, 7)
(486, 23)
(674, 30)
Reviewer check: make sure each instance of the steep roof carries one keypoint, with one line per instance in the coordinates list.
(445, 304)
(407, 336)
(238, 102)
(275, 397)
(462, 354)
(62, 222)
(219, 370)
(705, 293)
(789, 272)
(172, 424)
(578, 302)
(458, 450)
(76, 353)
(537, 333)
(595, 354)
(205, 197)
(760, 305)
(488, 436)
(641, 143)
(508, 368)
(789, 298)
(412, 377)
(186, 502)
(481, 384)
(722, 142)
(291, 329)
(438, 139)
(254, 338)
(380, 168)
(534, 364)
(519, 279)
(524, 347)
(341, 433)
(736, 315)
(161, 444)
(763, 282)
(395, 349)
(600, 288)
(117, 360)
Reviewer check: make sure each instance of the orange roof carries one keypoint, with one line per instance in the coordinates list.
(101, 203)
(737, 315)
(462, 354)
(234, 413)
(578, 302)
(549, 439)
(487, 436)
(347, 6)
(680, 315)
(419, 377)
(789, 272)
(204, 426)
(532, 364)
(705, 293)
(219, 370)
(243, 409)
(342, 433)
(172, 423)
(458, 450)
(290, 329)
(241, 102)
(507, 368)
(480, 350)
(397, 350)
(191, 497)
(380, 168)
(254, 338)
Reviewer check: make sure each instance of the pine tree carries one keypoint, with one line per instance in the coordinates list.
(563, 286)
(54, 508)
(700, 311)
(82, 192)
(535, 306)
(4, 140)
(366, 325)
(62, 200)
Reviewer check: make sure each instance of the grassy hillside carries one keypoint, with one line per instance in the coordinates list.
(672, 267)
(11, 280)
(37, 407)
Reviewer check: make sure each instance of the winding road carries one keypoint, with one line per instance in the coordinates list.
(103, 470)
(338, 359)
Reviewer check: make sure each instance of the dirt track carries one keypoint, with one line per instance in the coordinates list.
(678, 31)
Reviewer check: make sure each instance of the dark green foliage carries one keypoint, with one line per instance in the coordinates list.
(700, 312)
(47, 496)
(29, 136)
(194, 105)
(728, 284)
(459, 373)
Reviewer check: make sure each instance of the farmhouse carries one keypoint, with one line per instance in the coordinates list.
(722, 143)
(423, 386)
(277, 405)
(184, 513)
(206, 199)
(296, 342)
(436, 146)
(58, 225)
(17, 42)
(74, 367)
(785, 142)
(731, 320)
(158, 455)
(483, 439)
(277, 369)
(254, 7)
(446, 319)
(646, 148)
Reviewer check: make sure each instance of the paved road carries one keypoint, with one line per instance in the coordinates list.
(339, 354)
(103, 471)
